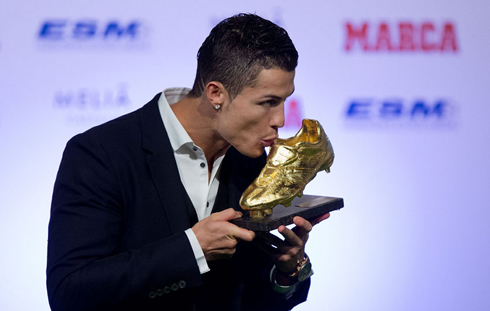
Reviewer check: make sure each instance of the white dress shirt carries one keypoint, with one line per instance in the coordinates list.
(192, 166)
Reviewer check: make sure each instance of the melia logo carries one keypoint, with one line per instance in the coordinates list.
(65, 33)
(402, 36)
(400, 112)
(92, 105)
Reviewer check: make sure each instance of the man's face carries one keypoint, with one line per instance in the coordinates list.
(251, 121)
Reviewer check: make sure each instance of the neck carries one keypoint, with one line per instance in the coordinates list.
(198, 117)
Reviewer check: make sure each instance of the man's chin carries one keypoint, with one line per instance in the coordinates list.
(252, 153)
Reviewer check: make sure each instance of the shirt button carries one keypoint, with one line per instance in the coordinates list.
(152, 295)
(194, 148)
(207, 204)
(167, 289)
(175, 287)
(203, 165)
(182, 284)
(160, 292)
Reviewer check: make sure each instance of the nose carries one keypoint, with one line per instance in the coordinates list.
(277, 120)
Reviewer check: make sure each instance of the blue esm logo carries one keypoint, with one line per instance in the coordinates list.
(60, 29)
(370, 109)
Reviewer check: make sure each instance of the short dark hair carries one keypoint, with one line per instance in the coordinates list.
(236, 51)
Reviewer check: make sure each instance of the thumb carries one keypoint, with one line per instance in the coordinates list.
(227, 215)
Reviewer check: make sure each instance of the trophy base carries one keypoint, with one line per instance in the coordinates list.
(308, 207)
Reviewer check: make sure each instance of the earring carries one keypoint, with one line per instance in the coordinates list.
(217, 106)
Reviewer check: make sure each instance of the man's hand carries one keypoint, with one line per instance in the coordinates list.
(218, 237)
(292, 249)
(287, 253)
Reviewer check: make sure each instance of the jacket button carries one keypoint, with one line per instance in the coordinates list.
(167, 289)
(182, 284)
(152, 295)
(175, 287)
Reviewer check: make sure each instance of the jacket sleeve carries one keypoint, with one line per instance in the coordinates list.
(86, 269)
(260, 295)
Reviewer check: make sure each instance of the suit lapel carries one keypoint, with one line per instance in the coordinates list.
(163, 169)
(222, 201)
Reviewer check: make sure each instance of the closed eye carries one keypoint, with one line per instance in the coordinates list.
(270, 103)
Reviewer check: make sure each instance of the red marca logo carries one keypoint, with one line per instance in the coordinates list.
(401, 37)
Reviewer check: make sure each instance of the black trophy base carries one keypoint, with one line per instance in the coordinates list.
(308, 207)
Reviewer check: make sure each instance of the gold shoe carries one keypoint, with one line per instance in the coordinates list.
(291, 164)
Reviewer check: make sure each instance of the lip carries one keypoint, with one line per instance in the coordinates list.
(268, 142)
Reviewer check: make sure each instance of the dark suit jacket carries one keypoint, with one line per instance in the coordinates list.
(116, 233)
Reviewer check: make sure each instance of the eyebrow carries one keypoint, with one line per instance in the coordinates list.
(271, 96)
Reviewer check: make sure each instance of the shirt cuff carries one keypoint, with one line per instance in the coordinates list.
(287, 291)
(198, 253)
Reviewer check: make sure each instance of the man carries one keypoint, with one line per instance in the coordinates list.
(142, 204)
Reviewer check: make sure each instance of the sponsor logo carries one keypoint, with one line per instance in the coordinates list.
(400, 112)
(403, 36)
(293, 114)
(88, 33)
(92, 105)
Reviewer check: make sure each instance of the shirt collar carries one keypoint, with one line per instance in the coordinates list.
(176, 133)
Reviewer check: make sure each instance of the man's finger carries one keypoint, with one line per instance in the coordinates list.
(240, 233)
(319, 219)
(290, 236)
(303, 226)
(226, 215)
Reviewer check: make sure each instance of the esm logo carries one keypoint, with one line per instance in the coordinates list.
(403, 36)
(92, 33)
(439, 112)
(88, 29)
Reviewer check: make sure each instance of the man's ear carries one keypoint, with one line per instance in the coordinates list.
(216, 93)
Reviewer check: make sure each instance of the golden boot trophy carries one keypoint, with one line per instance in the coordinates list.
(291, 164)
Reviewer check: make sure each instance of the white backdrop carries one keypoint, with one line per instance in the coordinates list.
(407, 118)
